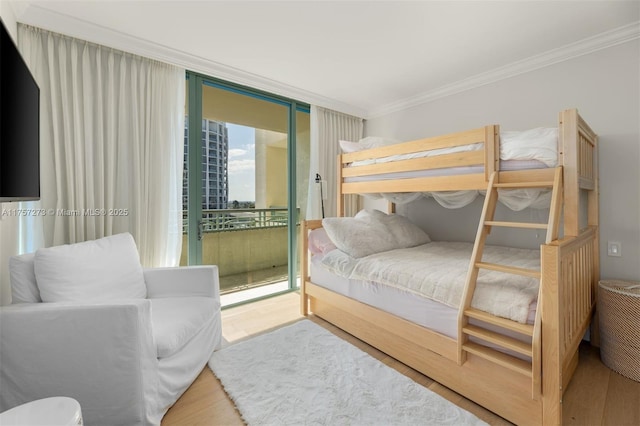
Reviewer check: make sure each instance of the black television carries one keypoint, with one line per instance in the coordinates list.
(19, 125)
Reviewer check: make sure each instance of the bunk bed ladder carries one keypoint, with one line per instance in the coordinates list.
(531, 347)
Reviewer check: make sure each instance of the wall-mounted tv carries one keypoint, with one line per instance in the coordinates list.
(19, 125)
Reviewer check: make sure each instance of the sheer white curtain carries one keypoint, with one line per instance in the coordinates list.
(112, 134)
(327, 128)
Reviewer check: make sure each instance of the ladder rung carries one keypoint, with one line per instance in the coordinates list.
(509, 269)
(500, 358)
(517, 224)
(499, 339)
(525, 329)
(541, 184)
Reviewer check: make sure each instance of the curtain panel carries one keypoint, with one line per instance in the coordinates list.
(112, 134)
(327, 128)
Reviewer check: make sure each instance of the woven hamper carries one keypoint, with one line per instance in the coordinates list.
(619, 308)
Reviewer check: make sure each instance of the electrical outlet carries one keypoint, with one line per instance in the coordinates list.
(614, 248)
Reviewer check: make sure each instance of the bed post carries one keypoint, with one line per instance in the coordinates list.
(593, 219)
(305, 227)
(340, 201)
(304, 260)
(491, 151)
(578, 148)
(568, 153)
(551, 349)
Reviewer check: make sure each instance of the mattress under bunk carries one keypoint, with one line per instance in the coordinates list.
(427, 301)
(417, 309)
(438, 271)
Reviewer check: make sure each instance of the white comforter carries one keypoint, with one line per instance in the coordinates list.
(438, 271)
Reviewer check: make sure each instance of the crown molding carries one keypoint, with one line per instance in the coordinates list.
(54, 21)
(589, 45)
(47, 19)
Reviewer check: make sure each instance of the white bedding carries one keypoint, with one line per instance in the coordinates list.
(399, 302)
(515, 199)
(437, 271)
(419, 310)
(540, 144)
(509, 165)
(519, 150)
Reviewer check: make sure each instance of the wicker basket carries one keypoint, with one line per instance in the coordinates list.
(619, 308)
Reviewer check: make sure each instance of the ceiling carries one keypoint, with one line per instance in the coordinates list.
(360, 57)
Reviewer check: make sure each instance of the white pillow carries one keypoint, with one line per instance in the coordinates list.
(372, 231)
(539, 144)
(319, 242)
(372, 213)
(406, 233)
(104, 269)
(23, 279)
(365, 143)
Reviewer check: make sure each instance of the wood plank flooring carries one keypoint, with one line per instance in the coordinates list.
(595, 395)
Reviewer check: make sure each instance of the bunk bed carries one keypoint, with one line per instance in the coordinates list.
(523, 389)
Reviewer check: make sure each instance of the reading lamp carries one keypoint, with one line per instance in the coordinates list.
(319, 180)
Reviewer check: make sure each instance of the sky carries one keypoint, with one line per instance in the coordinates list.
(241, 166)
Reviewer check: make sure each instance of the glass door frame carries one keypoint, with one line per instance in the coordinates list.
(194, 113)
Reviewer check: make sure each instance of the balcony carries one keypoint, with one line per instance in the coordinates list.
(248, 245)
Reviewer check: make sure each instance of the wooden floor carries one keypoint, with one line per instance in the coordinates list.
(595, 396)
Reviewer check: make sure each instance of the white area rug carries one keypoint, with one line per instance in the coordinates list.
(304, 375)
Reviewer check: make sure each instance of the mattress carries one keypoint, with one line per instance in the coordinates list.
(508, 165)
(438, 271)
(519, 150)
(419, 310)
(540, 144)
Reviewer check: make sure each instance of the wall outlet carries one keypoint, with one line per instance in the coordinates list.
(614, 248)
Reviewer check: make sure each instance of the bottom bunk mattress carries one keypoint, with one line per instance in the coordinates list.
(424, 284)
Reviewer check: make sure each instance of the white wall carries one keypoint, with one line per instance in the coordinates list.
(605, 88)
(9, 18)
(8, 225)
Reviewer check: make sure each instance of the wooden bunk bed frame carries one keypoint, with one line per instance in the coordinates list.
(569, 274)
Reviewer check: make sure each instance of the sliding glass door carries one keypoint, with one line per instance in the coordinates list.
(243, 203)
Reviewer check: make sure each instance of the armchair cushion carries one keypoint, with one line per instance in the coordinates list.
(105, 269)
(23, 279)
(175, 321)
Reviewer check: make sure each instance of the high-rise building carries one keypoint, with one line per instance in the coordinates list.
(215, 174)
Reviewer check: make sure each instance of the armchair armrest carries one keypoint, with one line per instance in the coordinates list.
(183, 281)
(101, 354)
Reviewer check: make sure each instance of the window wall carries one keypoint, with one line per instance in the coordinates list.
(242, 207)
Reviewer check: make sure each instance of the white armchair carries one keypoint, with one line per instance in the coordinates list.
(126, 360)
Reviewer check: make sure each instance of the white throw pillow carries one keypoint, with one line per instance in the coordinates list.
(104, 269)
(319, 242)
(539, 144)
(23, 279)
(372, 231)
(365, 143)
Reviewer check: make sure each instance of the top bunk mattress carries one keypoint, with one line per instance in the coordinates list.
(519, 150)
(508, 165)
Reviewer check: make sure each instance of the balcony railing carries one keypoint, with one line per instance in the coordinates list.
(224, 220)
(256, 254)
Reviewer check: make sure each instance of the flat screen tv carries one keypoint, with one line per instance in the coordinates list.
(19, 125)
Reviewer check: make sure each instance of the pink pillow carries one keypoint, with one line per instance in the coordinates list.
(319, 242)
